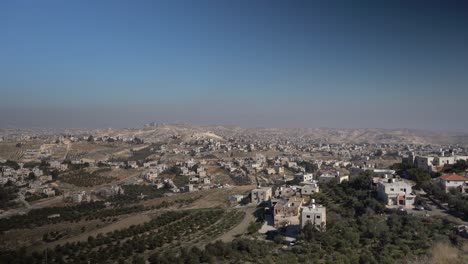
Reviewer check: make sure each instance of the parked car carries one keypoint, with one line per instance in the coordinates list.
(402, 211)
(419, 208)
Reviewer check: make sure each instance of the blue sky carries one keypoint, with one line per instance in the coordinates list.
(248, 63)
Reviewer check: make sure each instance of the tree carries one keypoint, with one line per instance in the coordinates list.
(55, 173)
(31, 176)
(419, 176)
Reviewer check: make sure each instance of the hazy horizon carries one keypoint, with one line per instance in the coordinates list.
(272, 64)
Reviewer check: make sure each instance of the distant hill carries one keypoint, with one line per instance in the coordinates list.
(154, 132)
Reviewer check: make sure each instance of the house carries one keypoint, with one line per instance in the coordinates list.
(279, 169)
(315, 214)
(190, 188)
(58, 165)
(132, 164)
(394, 193)
(292, 165)
(48, 191)
(286, 211)
(150, 163)
(206, 180)
(301, 177)
(270, 171)
(78, 197)
(260, 194)
(309, 188)
(326, 178)
(424, 162)
(285, 192)
(151, 176)
(184, 170)
(193, 179)
(37, 172)
(452, 181)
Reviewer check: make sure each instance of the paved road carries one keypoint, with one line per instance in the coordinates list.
(436, 211)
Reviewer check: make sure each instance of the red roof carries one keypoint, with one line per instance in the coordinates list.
(453, 177)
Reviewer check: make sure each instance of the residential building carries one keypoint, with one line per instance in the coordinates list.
(286, 211)
(315, 214)
(301, 177)
(395, 193)
(309, 188)
(260, 194)
(325, 178)
(453, 181)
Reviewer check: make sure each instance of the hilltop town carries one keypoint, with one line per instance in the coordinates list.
(162, 193)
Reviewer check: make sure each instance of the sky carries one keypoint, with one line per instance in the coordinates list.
(340, 64)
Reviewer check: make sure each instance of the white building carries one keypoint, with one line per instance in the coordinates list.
(301, 177)
(315, 214)
(453, 181)
(309, 188)
(394, 193)
(206, 180)
(260, 195)
(326, 178)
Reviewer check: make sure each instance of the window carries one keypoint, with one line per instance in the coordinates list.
(318, 216)
(308, 216)
(391, 189)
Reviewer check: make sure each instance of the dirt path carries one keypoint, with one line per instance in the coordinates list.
(241, 228)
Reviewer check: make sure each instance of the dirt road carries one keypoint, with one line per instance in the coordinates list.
(241, 228)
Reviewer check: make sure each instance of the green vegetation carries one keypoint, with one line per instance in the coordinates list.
(7, 195)
(38, 217)
(136, 192)
(167, 230)
(418, 175)
(11, 164)
(142, 154)
(239, 251)
(82, 178)
(240, 180)
(459, 167)
(35, 196)
(43, 164)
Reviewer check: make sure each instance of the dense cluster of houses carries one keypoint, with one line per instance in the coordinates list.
(30, 180)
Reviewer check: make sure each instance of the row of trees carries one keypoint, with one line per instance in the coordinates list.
(39, 217)
(170, 228)
(85, 179)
